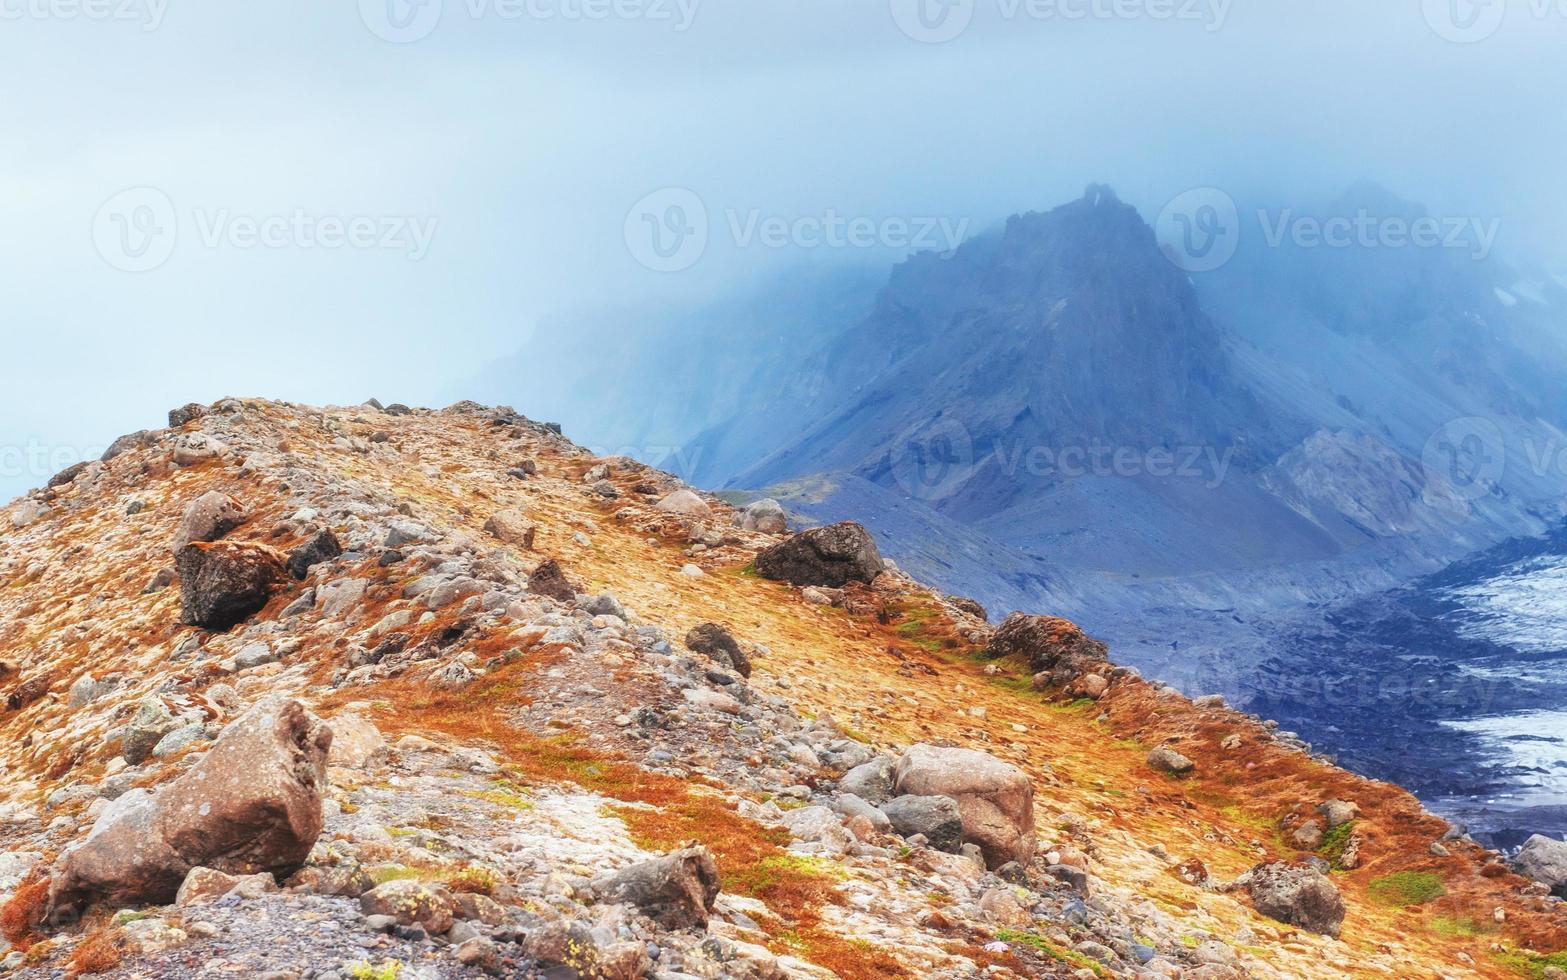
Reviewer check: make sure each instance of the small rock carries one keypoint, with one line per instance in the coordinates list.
(1166, 759)
(481, 954)
(765, 516)
(322, 547)
(715, 641)
(411, 903)
(512, 527)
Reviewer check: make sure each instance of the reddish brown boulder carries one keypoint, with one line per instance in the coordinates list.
(252, 805)
(26, 693)
(225, 583)
(1052, 646)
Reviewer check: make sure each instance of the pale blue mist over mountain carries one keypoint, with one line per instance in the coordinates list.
(528, 141)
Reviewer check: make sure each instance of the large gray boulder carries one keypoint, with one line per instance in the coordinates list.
(995, 799)
(831, 557)
(1544, 859)
(1296, 895)
(870, 781)
(766, 516)
(685, 503)
(677, 890)
(251, 805)
(935, 817)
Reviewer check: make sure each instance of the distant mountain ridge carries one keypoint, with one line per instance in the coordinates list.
(1300, 425)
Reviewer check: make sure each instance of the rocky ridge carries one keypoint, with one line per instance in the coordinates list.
(382, 691)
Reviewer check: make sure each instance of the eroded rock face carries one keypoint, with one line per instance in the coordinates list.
(208, 518)
(713, 640)
(252, 805)
(225, 583)
(995, 799)
(831, 556)
(1054, 646)
(1296, 895)
(1545, 860)
(677, 890)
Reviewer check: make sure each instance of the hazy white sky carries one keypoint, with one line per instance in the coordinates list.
(333, 199)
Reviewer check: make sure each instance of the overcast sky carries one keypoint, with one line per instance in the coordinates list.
(324, 200)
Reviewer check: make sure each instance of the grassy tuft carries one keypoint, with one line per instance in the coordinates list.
(1043, 946)
(1531, 965)
(1331, 849)
(365, 970)
(1405, 888)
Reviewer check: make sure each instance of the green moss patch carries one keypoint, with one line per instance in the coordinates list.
(1405, 888)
